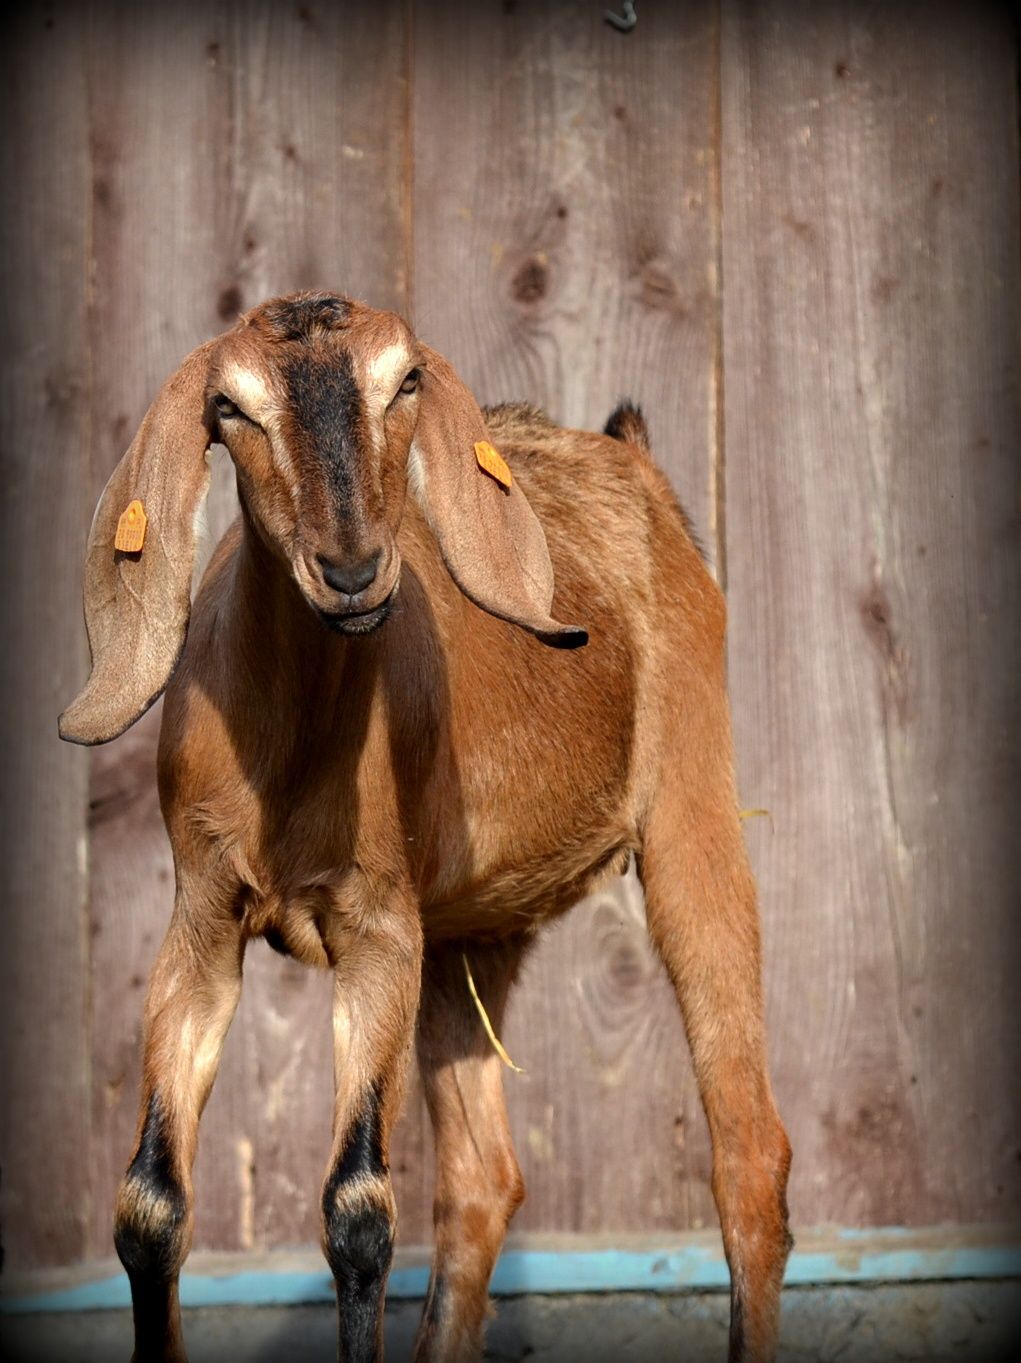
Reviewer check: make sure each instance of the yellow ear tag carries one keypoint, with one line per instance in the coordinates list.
(494, 465)
(130, 534)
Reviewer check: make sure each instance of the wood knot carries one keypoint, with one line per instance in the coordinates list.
(658, 288)
(884, 287)
(625, 966)
(531, 281)
(799, 227)
(61, 391)
(230, 303)
(877, 617)
(876, 609)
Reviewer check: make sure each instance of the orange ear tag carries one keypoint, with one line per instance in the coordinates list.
(130, 534)
(493, 464)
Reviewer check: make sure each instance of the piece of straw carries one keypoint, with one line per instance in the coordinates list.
(756, 814)
(494, 1040)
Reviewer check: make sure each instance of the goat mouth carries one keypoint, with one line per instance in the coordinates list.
(359, 622)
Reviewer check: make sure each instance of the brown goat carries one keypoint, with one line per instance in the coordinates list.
(376, 782)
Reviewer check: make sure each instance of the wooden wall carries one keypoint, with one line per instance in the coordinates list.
(791, 232)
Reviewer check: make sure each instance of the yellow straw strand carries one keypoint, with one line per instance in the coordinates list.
(494, 1040)
(756, 814)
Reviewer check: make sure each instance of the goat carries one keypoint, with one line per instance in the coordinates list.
(381, 747)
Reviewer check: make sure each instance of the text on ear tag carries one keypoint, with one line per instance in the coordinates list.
(130, 534)
(491, 461)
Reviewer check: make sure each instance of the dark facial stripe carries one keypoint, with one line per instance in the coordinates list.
(327, 408)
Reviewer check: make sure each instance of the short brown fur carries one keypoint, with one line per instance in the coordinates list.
(383, 782)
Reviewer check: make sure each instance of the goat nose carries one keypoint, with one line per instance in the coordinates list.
(351, 579)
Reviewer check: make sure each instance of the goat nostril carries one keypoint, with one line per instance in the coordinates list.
(351, 579)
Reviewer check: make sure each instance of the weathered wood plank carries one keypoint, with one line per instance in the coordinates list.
(284, 131)
(565, 177)
(162, 166)
(565, 254)
(870, 232)
(44, 982)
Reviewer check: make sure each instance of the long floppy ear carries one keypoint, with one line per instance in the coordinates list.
(489, 536)
(137, 604)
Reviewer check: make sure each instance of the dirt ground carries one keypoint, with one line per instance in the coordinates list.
(936, 1322)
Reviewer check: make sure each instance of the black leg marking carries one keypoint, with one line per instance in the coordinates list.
(434, 1305)
(358, 1240)
(151, 1208)
(736, 1349)
(363, 1153)
(359, 1249)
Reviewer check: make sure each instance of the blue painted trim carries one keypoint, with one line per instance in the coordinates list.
(547, 1271)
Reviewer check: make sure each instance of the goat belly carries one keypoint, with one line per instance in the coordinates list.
(522, 897)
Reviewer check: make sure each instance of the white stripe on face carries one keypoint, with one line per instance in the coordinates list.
(416, 475)
(250, 392)
(256, 399)
(387, 369)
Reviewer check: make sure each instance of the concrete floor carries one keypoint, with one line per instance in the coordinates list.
(936, 1322)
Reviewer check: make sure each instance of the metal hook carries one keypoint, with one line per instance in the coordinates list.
(626, 22)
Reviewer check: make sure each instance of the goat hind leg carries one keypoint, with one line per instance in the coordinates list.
(478, 1182)
(193, 993)
(703, 919)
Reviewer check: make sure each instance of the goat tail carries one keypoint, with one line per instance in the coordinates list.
(627, 423)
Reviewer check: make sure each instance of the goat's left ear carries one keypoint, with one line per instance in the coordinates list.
(138, 591)
(489, 536)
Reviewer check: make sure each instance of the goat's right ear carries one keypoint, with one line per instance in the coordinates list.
(137, 604)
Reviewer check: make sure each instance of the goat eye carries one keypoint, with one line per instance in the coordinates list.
(411, 381)
(225, 407)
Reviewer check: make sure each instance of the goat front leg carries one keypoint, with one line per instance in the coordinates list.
(377, 976)
(478, 1182)
(703, 918)
(193, 993)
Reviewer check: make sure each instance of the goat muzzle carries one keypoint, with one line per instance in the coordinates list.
(359, 621)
